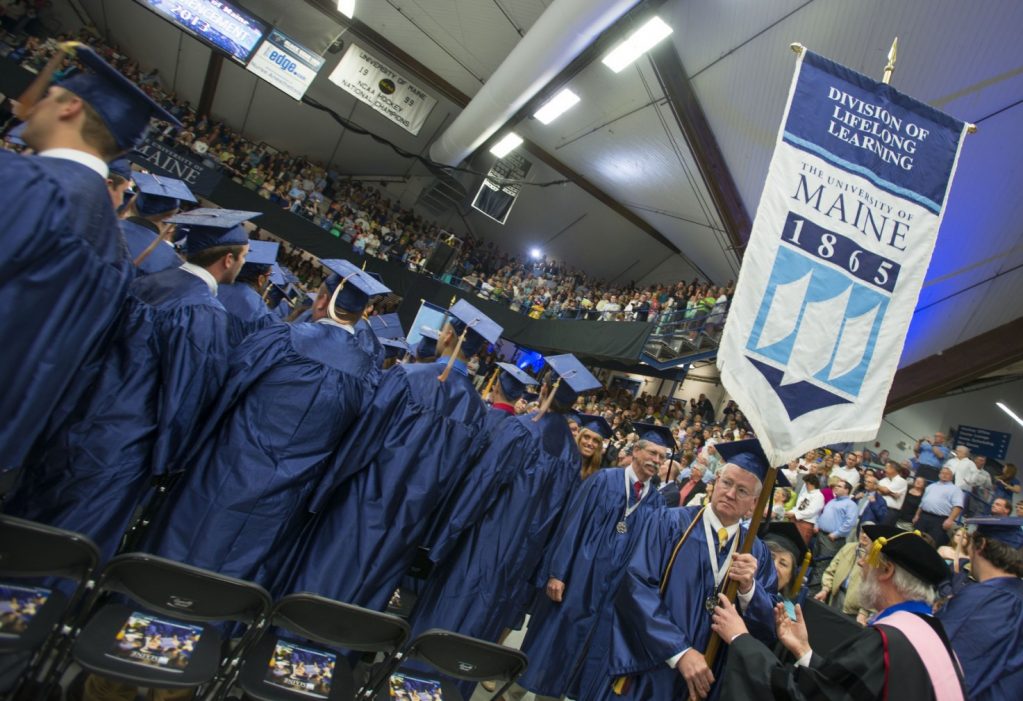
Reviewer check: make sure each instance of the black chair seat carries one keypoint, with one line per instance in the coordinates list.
(448, 688)
(256, 672)
(94, 647)
(39, 626)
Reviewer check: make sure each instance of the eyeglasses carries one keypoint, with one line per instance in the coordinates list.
(727, 485)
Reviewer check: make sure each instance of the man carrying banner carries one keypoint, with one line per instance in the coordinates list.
(682, 559)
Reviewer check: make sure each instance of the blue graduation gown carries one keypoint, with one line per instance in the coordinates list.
(495, 417)
(64, 276)
(984, 623)
(371, 344)
(158, 379)
(589, 555)
(291, 394)
(489, 546)
(410, 449)
(138, 237)
(247, 312)
(648, 628)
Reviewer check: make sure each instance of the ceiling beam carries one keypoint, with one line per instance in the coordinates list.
(950, 369)
(375, 40)
(694, 125)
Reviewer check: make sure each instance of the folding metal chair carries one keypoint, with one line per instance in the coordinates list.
(283, 667)
(453, 655)
(165, 636)
(34, 614)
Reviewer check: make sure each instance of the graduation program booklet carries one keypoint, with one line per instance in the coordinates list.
(301, 669)
(18, 605)
(406, 688)
(148, 640)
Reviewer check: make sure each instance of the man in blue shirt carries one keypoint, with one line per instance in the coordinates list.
(836, 522)
(939, 508)
(931, 455)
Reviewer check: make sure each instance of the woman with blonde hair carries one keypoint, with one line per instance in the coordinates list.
(593, 431)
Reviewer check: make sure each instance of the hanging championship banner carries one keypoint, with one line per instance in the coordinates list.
(383, 89)
(840, 244)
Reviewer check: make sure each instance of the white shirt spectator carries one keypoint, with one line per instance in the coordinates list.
(849, 474)
(897, 486)
(964, 470)
(808, 505)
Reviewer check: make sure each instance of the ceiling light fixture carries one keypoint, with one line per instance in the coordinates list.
(1010, 412)
(346, 7)
(535, 253)
(638, 43)
(557, 106)
(509, 143)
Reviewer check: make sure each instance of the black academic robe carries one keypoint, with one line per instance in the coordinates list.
(857, 671)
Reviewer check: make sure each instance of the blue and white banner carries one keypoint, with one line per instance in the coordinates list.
(840, 244)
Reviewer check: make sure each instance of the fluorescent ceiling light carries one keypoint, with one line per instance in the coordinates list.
(638, 43)
(509, 143)
(1010, 412)
(346, 7)
(557, 106)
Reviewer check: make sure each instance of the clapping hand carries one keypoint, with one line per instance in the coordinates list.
(792, 634)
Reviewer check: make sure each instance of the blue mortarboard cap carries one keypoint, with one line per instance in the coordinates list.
(393, 346)
(262, 252)
(481, 327)
(359, 285)
(158, 194)
(1006, 529)
(122, 167)
(575, 378)
(661, 435)
(207, 227)
(514, 381)
(750, 456)
(277, 276)
(122, 105)
(386, 326)
(597, 424)
(427, 346)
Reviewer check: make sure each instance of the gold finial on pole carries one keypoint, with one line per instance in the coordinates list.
(797, 48)
(890, 67)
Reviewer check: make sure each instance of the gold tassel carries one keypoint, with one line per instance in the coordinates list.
(454, 355)
(364, 264)
(620, 685)
(547, 401)
(490, 383)
(333, 299)
(874, 555)
(798, 583)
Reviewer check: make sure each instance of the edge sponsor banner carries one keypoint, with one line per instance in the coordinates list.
(285, 64)
(840, 245)
(376, 84)
(495, 197)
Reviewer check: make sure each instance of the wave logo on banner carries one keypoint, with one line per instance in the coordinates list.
(841, 242)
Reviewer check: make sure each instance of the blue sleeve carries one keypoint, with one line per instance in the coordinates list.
(495, 468)
(644, 633)
(566, 543)
(193, 368)
(849, 516)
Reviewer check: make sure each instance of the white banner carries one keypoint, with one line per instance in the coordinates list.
(374, 83)
(839, 248)
(285, 64)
